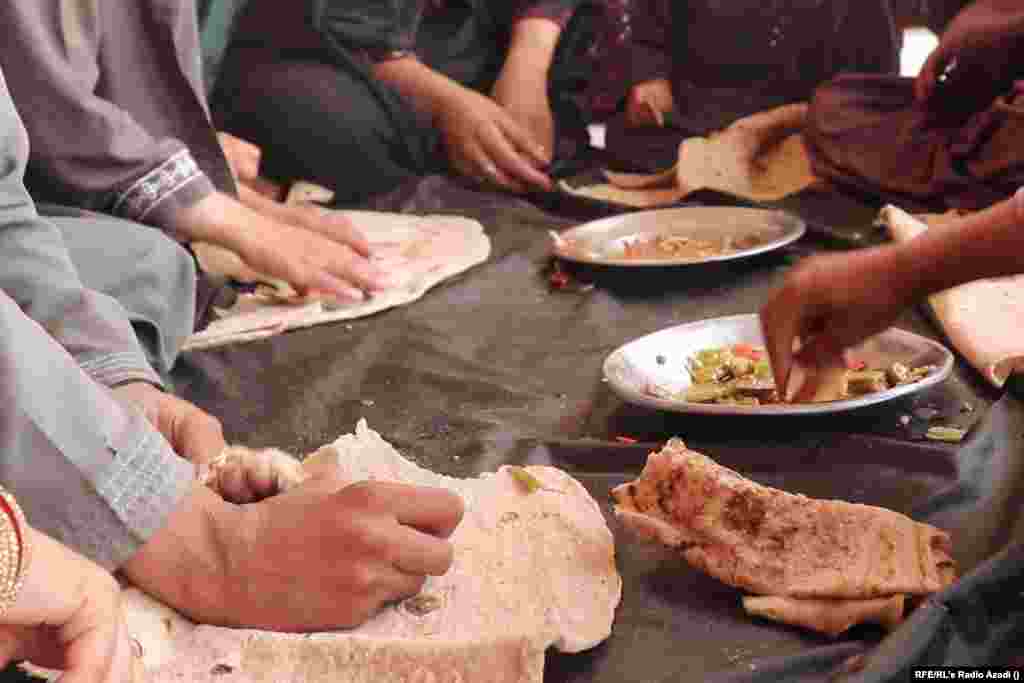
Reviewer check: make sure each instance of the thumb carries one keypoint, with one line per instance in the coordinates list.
(200, 436)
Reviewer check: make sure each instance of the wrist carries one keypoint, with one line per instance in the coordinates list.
(207, 220)
(536, 35)
(189, 563)
(531, 50)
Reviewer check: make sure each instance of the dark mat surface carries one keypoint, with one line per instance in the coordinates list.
(497, 367)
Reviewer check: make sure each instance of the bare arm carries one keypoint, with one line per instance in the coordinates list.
(833, 301)
(987, 244)
(483, 140)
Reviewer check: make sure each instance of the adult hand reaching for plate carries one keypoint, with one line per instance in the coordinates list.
(827, 304)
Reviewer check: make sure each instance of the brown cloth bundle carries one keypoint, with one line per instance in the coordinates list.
(867, 133)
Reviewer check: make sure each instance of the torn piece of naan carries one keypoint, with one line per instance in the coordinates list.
(760, 157)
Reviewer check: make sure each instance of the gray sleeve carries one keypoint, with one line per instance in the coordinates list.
(90, 152)
(36, 271)
(86, 471)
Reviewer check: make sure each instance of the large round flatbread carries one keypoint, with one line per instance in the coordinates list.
(531, 570)
(425, 250)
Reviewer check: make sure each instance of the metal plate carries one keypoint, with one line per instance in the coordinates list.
(633, 369)
(602, 242)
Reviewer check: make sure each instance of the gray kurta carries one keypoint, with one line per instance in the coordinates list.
(94, 476)
(112, 96)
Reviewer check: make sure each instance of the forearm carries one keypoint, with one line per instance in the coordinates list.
(532, 45)
(427, 90)
(265, 205)
(986, 244)
(217, 219)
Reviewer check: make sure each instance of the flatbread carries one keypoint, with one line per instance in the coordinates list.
(760, 157)
(982, 319)
(531, 570)
(426, 249)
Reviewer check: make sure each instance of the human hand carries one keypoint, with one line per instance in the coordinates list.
(244, 475)
(522, 91)
(325, 555)
(68, 616)
(648, 102)
(243, 157)
(487, 144)
(193, 433)
(981, 39)
(831, 302)
(262, 245)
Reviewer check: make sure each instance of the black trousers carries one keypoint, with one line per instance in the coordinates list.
(330, 121)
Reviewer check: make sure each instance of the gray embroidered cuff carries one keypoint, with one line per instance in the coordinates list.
(142, 485)
(170, 187)
(111, 369)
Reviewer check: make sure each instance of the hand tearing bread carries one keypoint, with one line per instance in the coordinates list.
(760, 157)
(245, 475)
(533, 568)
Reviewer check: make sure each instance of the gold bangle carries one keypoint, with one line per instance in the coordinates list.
(14, 550)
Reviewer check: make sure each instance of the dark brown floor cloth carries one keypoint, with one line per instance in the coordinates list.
(867, 133)
(494, 367)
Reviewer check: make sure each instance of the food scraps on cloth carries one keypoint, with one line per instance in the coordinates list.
(424, 250)
(532, 569)
(760, 157)
(825, 565)
(982, 319)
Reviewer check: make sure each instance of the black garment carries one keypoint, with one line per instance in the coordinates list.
(308, 98)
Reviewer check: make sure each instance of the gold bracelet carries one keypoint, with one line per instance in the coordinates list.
(14, 550)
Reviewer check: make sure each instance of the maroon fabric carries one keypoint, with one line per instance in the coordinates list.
(621, 55)
(867, 133)
(729, 59)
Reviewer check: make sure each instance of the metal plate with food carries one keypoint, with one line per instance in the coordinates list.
(681, 236)
(718, 366)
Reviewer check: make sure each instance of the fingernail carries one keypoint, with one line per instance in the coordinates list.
(332, 285)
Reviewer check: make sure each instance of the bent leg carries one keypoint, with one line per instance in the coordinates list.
(326, 124)
(149, 274)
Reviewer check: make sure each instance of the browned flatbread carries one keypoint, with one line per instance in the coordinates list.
(831, 617)
(643, 181)
(809, 555)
